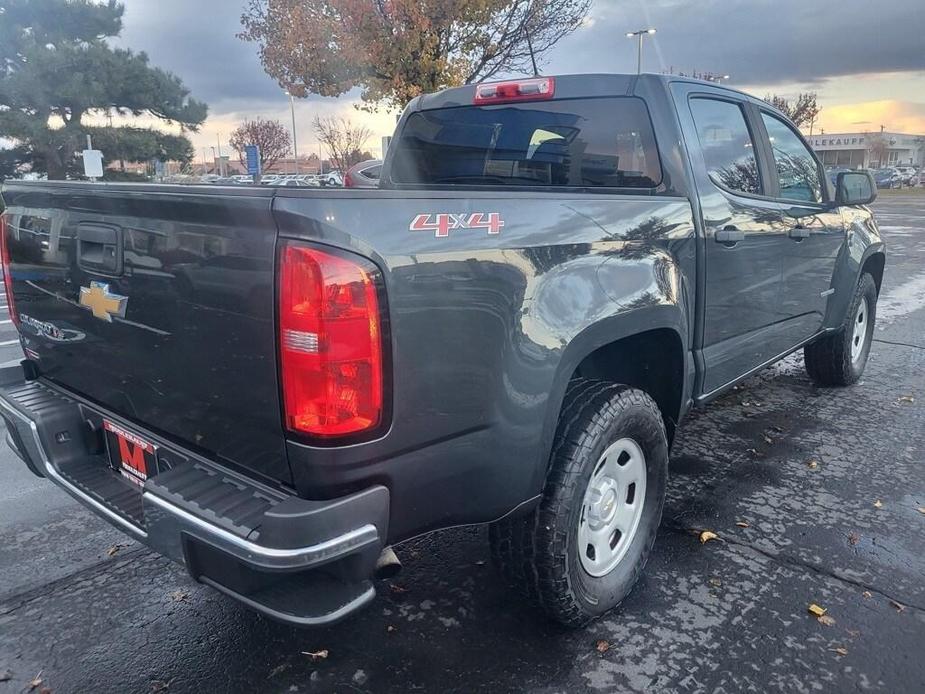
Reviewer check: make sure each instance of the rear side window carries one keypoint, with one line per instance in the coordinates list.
(372, 172)
(727, 146)
(797, 170)
(602, 142)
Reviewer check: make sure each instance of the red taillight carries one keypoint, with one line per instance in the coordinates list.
(330, 342)
(348, 180)
(535, 89)
(7, 277)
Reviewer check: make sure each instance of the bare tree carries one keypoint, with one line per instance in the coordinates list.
(343, 141)
(802, 110)
(269, 135)
(877, 147)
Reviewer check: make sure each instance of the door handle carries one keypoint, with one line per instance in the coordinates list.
(799, 233)
(99, 248)
(729, 234)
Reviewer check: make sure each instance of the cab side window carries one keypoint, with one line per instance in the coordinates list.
(727, 146)
(797, 169)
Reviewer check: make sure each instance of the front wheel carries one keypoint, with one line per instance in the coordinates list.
(839, 358)
(580, 552)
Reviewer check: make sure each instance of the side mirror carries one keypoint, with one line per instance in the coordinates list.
(855, 188)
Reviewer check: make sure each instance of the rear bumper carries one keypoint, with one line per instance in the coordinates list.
(299, 561)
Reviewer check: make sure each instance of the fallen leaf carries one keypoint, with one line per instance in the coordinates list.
(316, 655)
(840, 650)
(906, 398)
(812, 464)
(816, 609)
(922, 510)
(6, 676)
(715, 582)
(707, 535)
(112, 550)
(878, 504)
(867, 594)
(826, 619)
(480, 563)
(853, 633)
(397, 589)
(390, 629)
(35, 681)
(754, 452)
(899, 606)
(159, 686)
(853, 538)
(602, 646)
(767, 439)
(742, 524)
(179, 595)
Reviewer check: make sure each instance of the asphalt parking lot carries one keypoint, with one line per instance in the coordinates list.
(816, 496)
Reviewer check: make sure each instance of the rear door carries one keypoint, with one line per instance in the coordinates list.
(745, 236)
(156, 302)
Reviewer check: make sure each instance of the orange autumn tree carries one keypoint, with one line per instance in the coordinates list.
(394, 50)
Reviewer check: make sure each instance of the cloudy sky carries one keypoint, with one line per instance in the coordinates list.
(866, 60)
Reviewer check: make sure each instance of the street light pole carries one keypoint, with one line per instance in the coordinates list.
(295, 142)
(638, 36)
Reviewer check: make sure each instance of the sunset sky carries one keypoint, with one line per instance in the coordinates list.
(866, 61)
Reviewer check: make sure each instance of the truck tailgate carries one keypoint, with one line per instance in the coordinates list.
(156, 304)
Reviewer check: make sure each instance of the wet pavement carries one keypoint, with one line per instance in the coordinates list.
(815, 495)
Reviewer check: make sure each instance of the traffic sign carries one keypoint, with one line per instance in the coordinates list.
(252, 154)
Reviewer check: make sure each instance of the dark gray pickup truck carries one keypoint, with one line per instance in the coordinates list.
(275, 386)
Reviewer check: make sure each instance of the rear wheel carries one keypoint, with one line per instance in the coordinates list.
(838, 359)
(580, 552)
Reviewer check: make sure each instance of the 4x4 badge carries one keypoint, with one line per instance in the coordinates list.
(101, 302)
(441, 224)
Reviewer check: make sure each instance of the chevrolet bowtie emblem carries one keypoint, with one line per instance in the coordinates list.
(101, 302)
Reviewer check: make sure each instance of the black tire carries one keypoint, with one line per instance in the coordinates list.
(538, 553)
(828, 360)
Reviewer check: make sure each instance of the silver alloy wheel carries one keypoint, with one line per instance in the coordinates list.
(612, 507)
(859, 333)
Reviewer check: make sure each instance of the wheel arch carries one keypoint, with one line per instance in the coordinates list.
(627, 348)
(874, 263)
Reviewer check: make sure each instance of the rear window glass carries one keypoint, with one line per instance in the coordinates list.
(572, 142)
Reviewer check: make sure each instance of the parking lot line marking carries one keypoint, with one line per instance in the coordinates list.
(9, 342)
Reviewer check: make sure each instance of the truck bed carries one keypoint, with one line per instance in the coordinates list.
(195, 356)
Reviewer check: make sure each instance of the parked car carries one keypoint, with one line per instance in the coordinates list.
(907, 174)
(887, 178)
(363, 175)
(509, 331)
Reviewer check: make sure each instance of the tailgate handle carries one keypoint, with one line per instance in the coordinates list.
(99, 248)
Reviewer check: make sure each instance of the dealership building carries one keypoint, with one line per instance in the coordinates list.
(869, 150)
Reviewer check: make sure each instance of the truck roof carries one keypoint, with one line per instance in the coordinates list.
(569, 87)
